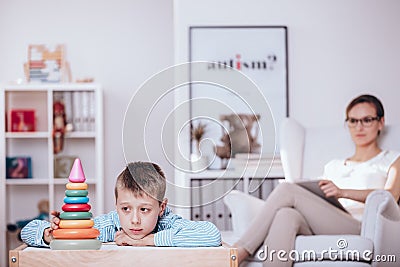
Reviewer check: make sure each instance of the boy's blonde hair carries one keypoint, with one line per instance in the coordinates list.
(142, 178)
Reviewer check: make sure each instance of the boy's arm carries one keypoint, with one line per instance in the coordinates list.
(107, 224)
(32, 233)
(179, 232)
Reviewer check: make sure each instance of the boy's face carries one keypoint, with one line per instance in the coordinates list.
(138, 215)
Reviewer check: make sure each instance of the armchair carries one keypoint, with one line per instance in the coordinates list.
(304, 153)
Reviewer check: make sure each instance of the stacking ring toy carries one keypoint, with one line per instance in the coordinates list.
(76, 224)
(76, 200)
(76, 233)
(78, 215)
(73, 244)
(76, 193)
(77, 186)
(76, 207)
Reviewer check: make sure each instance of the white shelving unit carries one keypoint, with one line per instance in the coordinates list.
(19, 197)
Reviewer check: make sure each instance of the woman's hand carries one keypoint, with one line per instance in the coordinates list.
(122, 239)
(55, 221)
(330, 189)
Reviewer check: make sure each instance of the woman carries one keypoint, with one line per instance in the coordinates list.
(291, 210)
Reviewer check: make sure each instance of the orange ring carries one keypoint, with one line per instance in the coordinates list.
(76, 224)
(76, 233)
(76, 186)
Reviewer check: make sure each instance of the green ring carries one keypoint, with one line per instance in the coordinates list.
(77, 215)
(76, 193)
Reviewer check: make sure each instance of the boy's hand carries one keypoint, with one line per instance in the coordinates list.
(122, 239)
(55, 221)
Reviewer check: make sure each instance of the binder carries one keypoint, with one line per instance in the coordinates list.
(229, 186)
(219, 215)
(92, 111)
(77, 111)
(85, 111)
(195, 214)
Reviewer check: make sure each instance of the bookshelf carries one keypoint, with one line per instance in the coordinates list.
(84, 109)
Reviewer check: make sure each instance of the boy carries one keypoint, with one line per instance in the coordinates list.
(141, 218)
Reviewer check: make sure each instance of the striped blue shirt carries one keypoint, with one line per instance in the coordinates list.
(171, 231)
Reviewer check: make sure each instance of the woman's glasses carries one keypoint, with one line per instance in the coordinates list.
(366, 121)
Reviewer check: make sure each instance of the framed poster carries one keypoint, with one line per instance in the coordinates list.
(260, 53)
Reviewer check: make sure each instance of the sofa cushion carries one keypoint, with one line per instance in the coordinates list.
(334, 247)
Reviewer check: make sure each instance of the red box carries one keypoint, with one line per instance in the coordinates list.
(22, 120)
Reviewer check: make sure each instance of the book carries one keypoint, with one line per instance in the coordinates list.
(18, 167)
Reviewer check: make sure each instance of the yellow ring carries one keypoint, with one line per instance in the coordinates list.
(76, 233)
(77, 224)
(77, 186)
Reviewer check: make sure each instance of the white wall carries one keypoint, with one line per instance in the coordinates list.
(338, 49)
(119, 43)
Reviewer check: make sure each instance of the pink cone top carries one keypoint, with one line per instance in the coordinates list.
(76, 175)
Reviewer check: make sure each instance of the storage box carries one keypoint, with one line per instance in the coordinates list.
(63, 166)
(113, 255)
(21, 120)
(18, 167)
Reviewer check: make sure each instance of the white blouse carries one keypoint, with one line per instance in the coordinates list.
(370, 174)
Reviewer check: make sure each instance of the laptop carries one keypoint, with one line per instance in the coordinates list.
(314, 188)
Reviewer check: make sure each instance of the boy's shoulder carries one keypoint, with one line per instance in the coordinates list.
(169, 218)
(168, 212)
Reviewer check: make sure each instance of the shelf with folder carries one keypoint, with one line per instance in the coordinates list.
(32, 139)
(209, 187)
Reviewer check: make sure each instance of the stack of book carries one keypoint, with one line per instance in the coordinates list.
(243, 161)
